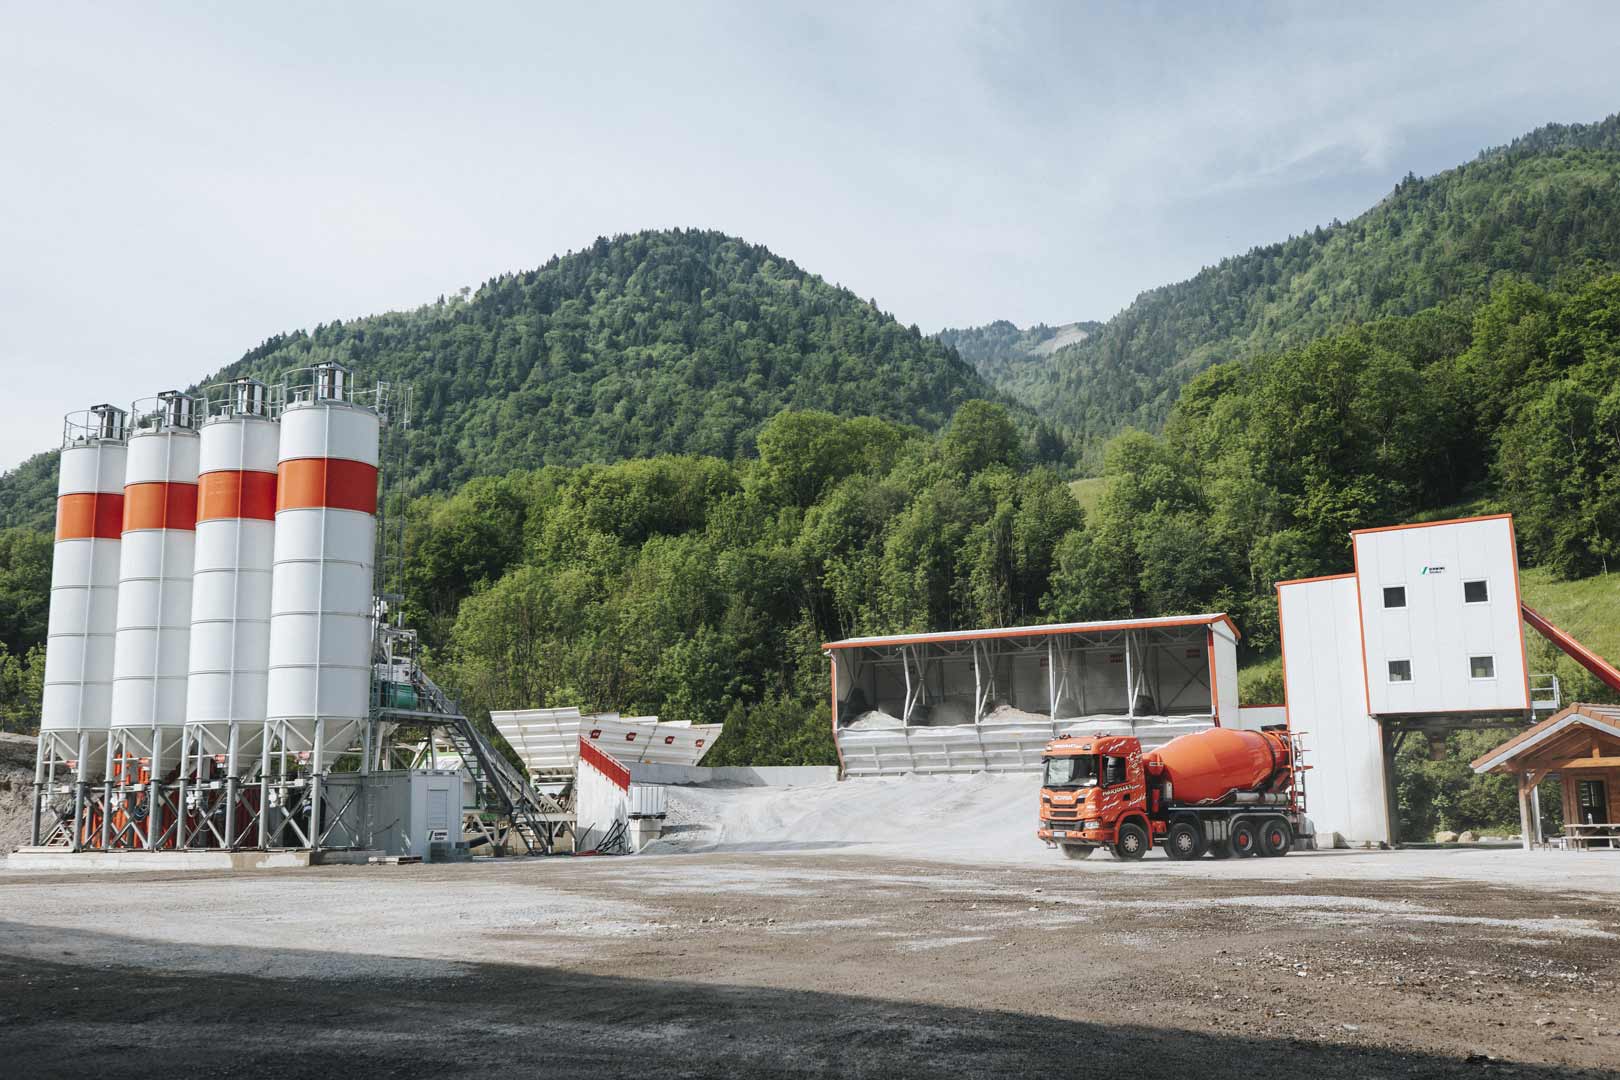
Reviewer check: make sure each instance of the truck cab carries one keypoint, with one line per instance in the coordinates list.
(1090, 788)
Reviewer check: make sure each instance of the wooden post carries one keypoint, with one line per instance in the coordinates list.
(1524, 810)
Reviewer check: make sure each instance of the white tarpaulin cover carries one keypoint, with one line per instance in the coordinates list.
(990, 747)
(548, 739)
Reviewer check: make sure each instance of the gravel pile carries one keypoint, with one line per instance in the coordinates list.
(16, 787)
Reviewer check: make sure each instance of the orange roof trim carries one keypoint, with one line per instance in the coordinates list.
(1308, 580)
(1428, 524)
(1040, 631)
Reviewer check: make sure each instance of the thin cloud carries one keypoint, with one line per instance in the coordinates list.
(182, 182)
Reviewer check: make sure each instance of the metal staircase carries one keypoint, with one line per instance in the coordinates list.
(536, 819)
(529, 820)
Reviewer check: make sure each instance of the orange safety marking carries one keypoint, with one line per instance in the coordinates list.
(332, 483)
(233, 493)
(93, 515)
(160, 505)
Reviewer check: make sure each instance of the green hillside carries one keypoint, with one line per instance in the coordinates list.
(1546, 208)
(681, 341)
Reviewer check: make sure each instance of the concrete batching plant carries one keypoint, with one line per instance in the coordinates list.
(216, 646)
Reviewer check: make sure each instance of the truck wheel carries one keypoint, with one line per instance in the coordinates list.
(1075, 851)
(1245, 842)
(1276, 838)
(1132, 842)
(1185, 840)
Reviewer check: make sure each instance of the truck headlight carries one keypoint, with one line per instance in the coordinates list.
(1089, 825)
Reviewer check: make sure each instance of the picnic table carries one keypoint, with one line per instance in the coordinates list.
(1584, 836)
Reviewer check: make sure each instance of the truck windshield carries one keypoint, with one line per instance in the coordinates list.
(1071, 771)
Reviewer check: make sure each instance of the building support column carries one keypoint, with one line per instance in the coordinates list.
(1535, 811)
(978, 690)
(1130, 680)
(1392, 808)
(905, 709)
(1051, 676)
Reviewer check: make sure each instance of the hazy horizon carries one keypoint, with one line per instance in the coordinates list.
(184, 183)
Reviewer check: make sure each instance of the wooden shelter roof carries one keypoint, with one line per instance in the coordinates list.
(1581, 735)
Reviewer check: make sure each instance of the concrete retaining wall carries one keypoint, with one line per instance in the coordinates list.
(740, 775)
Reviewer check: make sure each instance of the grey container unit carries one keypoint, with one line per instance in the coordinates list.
(414, 812)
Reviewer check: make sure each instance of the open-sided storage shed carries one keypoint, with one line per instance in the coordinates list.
(990, 700)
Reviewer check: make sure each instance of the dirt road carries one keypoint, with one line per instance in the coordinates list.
(804, 964)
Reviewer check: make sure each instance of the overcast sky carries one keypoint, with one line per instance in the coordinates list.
(179, 182)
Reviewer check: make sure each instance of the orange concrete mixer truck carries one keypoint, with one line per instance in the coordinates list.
(1221, 792)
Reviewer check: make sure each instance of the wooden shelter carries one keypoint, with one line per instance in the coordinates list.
(1581, 746)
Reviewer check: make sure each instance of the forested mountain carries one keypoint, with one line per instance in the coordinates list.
(659, 342)
(1545, 208)
(1000, 350)
(681, 341)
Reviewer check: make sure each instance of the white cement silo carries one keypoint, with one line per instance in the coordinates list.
(152, 653)
(321, 583)
(77, 708)
(230, 592)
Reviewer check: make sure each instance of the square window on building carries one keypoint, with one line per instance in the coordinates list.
(1394, 596)
(1400, 671)
(1476, 592)
(1482, 667)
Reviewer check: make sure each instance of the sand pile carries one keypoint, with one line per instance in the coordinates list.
(874, 720)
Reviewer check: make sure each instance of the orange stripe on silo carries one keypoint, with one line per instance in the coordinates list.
(160, 505)
(90, 516)
(332, 483)
(232, 493)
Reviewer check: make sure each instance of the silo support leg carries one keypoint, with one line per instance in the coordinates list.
(316, 764)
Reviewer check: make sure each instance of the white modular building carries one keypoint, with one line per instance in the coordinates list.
(1425, 635)
(1326, 706)
(1442, 630)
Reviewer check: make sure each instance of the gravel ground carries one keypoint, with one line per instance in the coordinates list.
(815, 962)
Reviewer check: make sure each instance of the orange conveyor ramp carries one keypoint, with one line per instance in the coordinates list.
(1591, 661)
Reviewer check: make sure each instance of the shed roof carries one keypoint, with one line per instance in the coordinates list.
(1562, 733)
(1161, 622)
